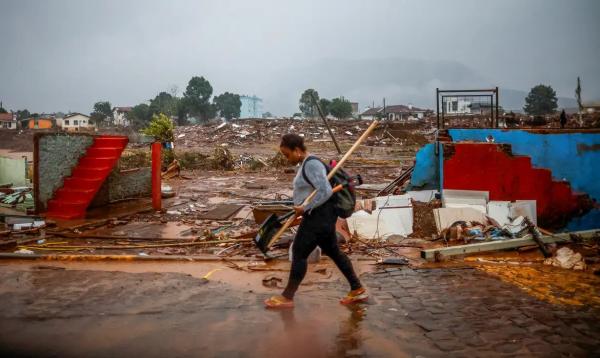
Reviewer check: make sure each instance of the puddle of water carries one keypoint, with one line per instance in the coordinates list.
(169, 229)
(245, 280)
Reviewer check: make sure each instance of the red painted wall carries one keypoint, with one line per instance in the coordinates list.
(492, 167)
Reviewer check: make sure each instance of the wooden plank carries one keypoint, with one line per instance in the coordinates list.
(221, 212)
(503, 244)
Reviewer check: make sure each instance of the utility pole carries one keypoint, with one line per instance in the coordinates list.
(579, 104)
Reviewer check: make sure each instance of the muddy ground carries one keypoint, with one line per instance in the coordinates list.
(71, 309)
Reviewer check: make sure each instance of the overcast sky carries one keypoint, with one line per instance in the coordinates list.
(66, 55)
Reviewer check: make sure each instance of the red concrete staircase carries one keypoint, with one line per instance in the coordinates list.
(78, 190)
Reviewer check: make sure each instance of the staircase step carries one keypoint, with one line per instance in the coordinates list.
(103, 141)
(91, 172)
(59, 206)
(73, 195)
(82, 183)
(104, 152)
(91, 161)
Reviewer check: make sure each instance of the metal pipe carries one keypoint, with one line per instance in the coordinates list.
(326, 123)
(437, 106)
(497, 105)
(465, 91)
(156, 172)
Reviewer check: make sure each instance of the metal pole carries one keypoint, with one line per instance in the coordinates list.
(497, 105)
(437, 106)
(156, 187)
(326, 123)
(492, 111)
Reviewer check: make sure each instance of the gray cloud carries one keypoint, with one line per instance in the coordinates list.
(65, 55)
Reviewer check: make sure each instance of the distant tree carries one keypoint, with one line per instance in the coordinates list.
(139, 116)
(324, 103)
(196, 99)
(541, 100)
(340, 108)
(306, 105)
(182, 112)
(164, 103)
(228, 105)
(23, 114)
(2, 110)
(267, 115)
(102, 113)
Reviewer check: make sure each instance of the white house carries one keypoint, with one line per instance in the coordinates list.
(8, 120)
(120, 116)
(455, 105)
(398, 112)
(371, 113)
(74, 122)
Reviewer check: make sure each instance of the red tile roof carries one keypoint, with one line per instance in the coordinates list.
(6, 117)
(372, 111)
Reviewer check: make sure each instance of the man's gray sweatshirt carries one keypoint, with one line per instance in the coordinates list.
(317, 174)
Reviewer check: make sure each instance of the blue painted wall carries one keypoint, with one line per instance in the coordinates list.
(571, 156)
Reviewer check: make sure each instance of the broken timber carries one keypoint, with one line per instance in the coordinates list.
(503, 244)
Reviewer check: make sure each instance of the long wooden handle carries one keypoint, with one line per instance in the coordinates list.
(329, 176)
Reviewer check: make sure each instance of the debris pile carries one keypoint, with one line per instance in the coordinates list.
(222, 159)
(566, 258)
(19, 198)
(241, 132)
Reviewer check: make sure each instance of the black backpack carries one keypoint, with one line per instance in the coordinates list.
(344, 200)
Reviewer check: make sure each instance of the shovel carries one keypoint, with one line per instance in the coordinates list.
(274, 223)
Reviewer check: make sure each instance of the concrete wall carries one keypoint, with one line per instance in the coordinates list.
(13, 171)
(55, 155)
(570, 155)
(574, 156)
(121, 185)
(493, 168)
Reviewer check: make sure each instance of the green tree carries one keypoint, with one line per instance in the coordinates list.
(196, 99)
(340, 108)
(160, 127)
(102, 113)
(267, 115)
(2, 110)
(306, 105)
(228, 105)
(182, 112)
(23, 114)
(139, 116)
(324, 103)
(164, 103)
(540, 101)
